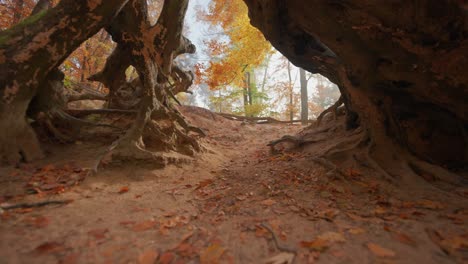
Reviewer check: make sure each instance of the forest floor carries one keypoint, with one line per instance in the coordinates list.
(235, 203)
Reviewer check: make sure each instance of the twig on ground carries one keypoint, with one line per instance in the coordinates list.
(275, 239)
(31, 205)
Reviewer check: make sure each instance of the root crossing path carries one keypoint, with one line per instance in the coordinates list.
(236, 203)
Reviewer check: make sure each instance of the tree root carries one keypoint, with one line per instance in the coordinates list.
(333, 169)
(333, 109)
(432, 173)
(296, 141)
(62, 116)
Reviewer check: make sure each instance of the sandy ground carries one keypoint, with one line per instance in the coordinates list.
(235, 203)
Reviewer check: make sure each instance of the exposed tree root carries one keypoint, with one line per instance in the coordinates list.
(336, 146)
(86, 96)
(332, 109)
(295, 141)
(433, 173)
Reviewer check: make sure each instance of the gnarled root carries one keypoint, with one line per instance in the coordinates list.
(332, 109)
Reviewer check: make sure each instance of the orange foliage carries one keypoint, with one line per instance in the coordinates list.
(245, 48)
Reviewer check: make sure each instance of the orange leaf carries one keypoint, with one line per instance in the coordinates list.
(49, 247)
(143, 226)
(380, 251)
(317, 244)
(98, 233)
(123, 190)
(212, 254)
(166, 258)
(148, 257)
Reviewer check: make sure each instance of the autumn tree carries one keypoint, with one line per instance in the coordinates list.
(237, 55)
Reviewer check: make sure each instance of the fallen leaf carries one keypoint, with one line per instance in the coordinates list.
(457, 242)
(332, 237)
(428, 204)
(39, 221)
(148, 257)
(98, 233)
(268, 202)
(317, 244)
(281, 258)
(380, 251)
(143, 226)
(212, 254)
(356, 231)
(204, 183)
(48, 168)
(403, 238)
(186, 250)
(124, 189)
(49, 247)
(71, 258)
(166, 258)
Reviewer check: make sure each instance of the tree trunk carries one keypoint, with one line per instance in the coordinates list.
(245, 93)
(401, 65)
(290, 87)
(304, 97)
(249, 87)
(19, 7)
(29, 51)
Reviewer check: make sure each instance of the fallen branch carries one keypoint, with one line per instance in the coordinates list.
(31, 205)
(257, 120)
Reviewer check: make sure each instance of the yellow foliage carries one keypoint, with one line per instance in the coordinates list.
(247, 47)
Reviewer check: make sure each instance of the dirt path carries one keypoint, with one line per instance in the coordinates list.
(229, 206)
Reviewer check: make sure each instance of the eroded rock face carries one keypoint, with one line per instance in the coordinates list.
(401, 65)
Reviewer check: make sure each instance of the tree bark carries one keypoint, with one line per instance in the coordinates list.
(29, 51)
(304, 97)
(400, 65)
(290, 87)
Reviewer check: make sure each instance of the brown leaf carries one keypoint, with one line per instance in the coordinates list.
(268, 202)
(332, 237)
(403, 238)
(457, 242)
(317, 244)
(49, 247)
(204, 183)
(124, 189)
(166, 258)
(380, 251)
(428, 204)
(148, 257)
(281, 258)
(212, 254)
(143, 226)
(356, 231)
(39, 221)
(98, 233)
(71, 258)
